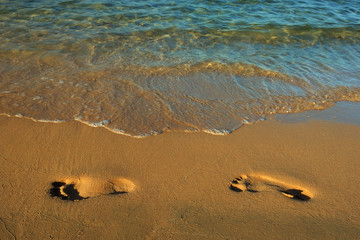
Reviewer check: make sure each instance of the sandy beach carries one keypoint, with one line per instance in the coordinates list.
(181, 182)
(199, 120)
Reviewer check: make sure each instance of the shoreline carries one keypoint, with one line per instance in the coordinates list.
(182, 182)
(346, 112)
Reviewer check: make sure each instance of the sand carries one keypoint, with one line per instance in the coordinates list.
(178, 185)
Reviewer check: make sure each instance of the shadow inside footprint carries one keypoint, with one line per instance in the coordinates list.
(55, 191)
(65, 191)
(296, 194)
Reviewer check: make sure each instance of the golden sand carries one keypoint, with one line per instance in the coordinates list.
(177, 184)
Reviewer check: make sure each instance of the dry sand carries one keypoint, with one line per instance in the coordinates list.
(177, 184)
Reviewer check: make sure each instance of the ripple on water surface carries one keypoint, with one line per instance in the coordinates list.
(141, 68)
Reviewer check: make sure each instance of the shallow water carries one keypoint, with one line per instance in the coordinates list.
(345, 112)
(140, 68)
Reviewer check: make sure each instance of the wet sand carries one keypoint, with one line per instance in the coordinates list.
(177, 185)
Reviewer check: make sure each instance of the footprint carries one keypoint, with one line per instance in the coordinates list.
(79, 188)
(258, 183)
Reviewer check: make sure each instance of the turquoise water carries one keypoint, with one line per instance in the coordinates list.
(140, 68)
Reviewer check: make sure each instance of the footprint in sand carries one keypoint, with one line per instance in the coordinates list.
(78, 188)
(258, 183)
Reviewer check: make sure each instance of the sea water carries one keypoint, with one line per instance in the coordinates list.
(143, 67)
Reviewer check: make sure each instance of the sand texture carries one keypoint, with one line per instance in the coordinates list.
(271, 180)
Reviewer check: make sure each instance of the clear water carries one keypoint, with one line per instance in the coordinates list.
(143, 67)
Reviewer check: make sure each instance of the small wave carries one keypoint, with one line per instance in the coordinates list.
(140, 101)
(280, 104)
(217, 131)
